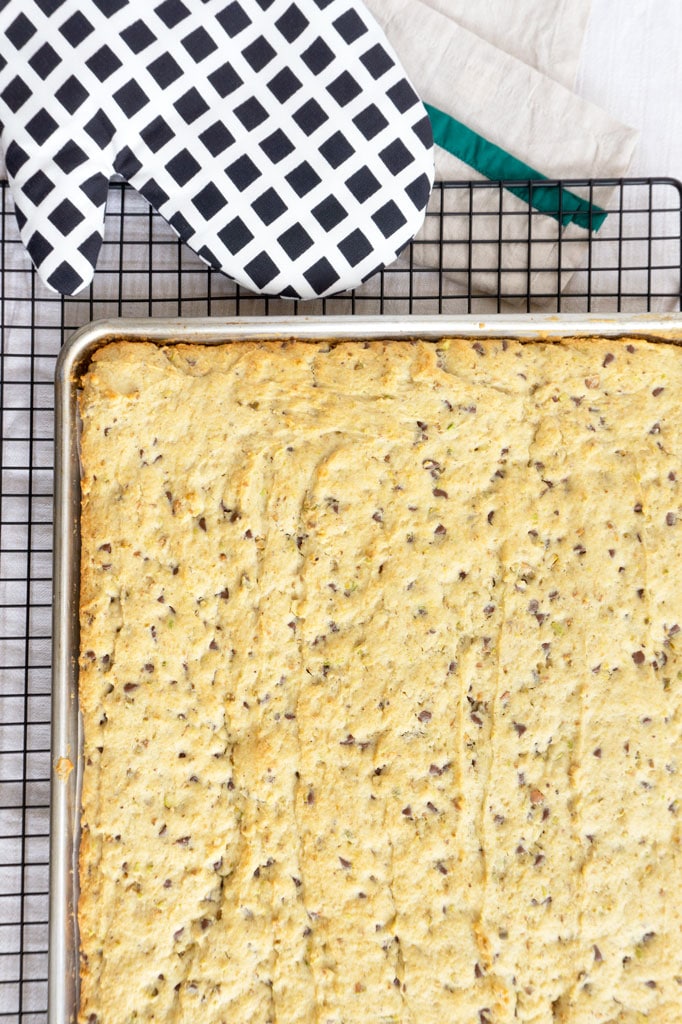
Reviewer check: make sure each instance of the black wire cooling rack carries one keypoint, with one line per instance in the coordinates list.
(482, 250)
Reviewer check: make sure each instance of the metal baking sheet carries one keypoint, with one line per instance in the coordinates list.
(63, 976)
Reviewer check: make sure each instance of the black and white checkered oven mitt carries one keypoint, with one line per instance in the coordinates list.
(281, 140)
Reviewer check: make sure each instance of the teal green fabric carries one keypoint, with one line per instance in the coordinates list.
(497, 165)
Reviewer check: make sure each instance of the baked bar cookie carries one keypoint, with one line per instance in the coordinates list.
(381, 683)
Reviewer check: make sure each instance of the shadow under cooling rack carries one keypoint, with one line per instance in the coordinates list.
(483, 249)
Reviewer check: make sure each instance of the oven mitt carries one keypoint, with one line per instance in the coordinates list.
(282, 141)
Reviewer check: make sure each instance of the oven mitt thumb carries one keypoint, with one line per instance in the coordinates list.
(282, 141)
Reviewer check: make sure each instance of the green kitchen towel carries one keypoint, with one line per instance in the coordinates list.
(496, 116)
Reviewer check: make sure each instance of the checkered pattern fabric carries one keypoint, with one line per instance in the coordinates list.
(281, 140)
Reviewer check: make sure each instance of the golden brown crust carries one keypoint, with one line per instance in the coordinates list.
(381, 683)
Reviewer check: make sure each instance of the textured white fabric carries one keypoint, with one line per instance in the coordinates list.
(521, 110)
(547, 34)
(630, 65)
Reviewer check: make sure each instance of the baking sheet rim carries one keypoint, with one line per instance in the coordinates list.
(63, 962)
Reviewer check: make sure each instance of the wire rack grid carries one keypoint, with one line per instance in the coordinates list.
(482, 250)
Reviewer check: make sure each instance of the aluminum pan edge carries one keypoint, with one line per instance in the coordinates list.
(73, 360)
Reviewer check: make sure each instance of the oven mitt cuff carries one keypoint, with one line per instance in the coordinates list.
(282, 141)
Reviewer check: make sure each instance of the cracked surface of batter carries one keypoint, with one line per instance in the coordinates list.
(381, 683)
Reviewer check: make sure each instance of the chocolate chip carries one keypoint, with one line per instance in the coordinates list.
(129, 687)
(639, 657)
(597, 954)
(440, 530)
(491, 516)
(520, 729)
(407, 811)
(183, 841)
(438, 492)
(202, 524)
(167, 884)
(608, 358)
(105, 547)
(657, 391)
(434, 468)
(597, 752)
(441, 867)
(345, 863)
(638, 507)
(670, 519)
(424, 716)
